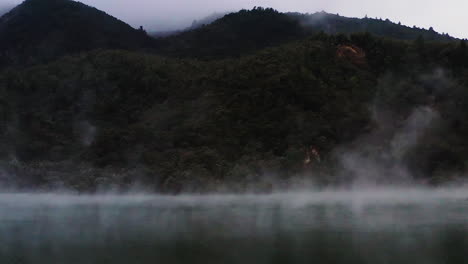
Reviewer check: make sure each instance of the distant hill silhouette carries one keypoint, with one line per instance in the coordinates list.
(206, 20)
(246, 31)
(197, 23)
(42, 30)
(38, 30)
(335, 24)
(234, 34)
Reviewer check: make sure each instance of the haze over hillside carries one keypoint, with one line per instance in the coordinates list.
(4, 9)
(256, 97)
(255, 136)
(246, 31)
(41, 30)
(259, 136)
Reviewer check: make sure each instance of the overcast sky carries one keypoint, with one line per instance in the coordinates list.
(444, 15)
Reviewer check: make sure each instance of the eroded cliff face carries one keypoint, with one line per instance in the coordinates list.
(352, 53)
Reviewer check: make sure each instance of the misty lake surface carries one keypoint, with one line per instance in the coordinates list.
(373, 226)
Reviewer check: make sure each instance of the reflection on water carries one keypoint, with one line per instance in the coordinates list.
(381, 226)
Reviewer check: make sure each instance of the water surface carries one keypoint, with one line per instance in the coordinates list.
(378, 226)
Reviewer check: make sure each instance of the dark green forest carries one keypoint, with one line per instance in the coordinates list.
(257, 97)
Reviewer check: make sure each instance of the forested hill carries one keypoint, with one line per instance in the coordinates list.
(278, 98)
(41, 30)
(116, 117)
(247, 31)
(336, 24)
(38, 30)
(234, 35)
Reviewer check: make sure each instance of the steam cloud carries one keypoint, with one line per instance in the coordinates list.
(377, 164)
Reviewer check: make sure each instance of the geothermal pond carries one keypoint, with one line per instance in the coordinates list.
(379, 226)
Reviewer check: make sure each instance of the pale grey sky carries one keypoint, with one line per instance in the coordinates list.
(445, 16)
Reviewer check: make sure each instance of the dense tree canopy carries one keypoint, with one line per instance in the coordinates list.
(274, 98)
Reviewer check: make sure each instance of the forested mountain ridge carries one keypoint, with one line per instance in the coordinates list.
(40, 30)
(247, 31)
(233, 35)
(336, 24)
(275, 99)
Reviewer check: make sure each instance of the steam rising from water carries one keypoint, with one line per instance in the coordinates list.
(372, 162)
(367, 226)
(86, 132)
(418, 122)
